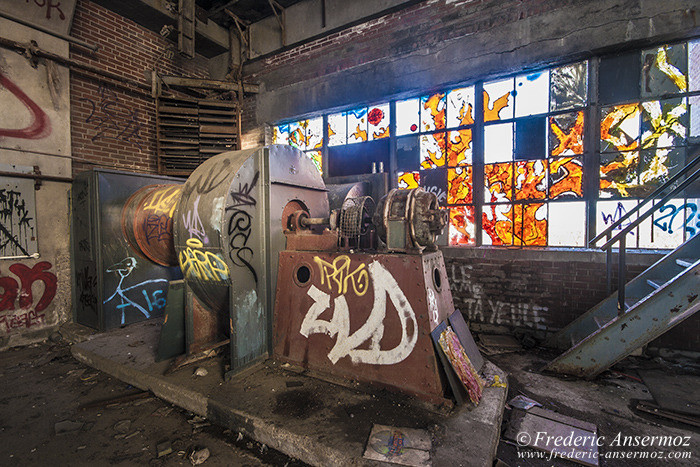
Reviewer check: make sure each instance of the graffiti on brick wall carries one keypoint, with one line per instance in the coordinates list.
(479, 307)
(111, 118)
(39, 127)
(25, 294)
(17, 218)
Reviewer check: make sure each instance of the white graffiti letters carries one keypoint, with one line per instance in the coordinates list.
(347, 344)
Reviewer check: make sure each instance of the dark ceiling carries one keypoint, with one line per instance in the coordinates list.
(248, 11)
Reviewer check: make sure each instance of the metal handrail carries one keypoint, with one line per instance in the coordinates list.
(656, 192)
(621, 236)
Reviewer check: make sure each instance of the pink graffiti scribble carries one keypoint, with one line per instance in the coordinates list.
(40, 126)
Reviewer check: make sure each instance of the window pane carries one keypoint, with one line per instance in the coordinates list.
(530, 137)
(337, 131)
(459, 147)
(408, 153)
(694, 65)
(408, 180)
(459, 185)
(357, 125)
(435, 181)
(567, 224)
(664, 70)
(498, 104)
(498, 143)
(530, 224)
(498, 181)
(565, 178)
(619, 128)
(664, 229)
(532, 94)
(280, 134)
(314, 133)
(694, 105)
(566, 134)
(657, 166)
(497, 224)
(462, 226)
(432, 150)
(297, 136)
(530, 180)
(569, 86)
(618, 174)
(407, 115)
(432, 112)
(378, 119)
(609, 212)
(317, 158)
(460, 107)
(664, 123)
(619, 78)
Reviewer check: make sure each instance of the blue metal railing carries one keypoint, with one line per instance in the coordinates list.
(621, 236)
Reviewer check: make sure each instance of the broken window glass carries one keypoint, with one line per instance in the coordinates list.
(569, 86)
(532, 94)
(566, 134)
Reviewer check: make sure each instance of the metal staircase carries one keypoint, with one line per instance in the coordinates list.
(661, 297)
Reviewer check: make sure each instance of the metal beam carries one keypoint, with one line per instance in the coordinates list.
(209, 84)
(210, 29)
(222, 6)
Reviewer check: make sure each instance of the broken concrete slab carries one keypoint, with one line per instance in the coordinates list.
(319, 423)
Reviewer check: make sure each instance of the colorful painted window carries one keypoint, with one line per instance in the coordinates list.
(534, 127)
(306, 135)
(553, 161)
(644, 138)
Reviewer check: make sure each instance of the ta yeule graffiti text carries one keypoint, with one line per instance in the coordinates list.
(20, 306)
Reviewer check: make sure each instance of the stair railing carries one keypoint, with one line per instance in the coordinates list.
(621, 236)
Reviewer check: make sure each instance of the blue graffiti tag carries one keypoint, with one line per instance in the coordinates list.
(124, 269)
(665, 222)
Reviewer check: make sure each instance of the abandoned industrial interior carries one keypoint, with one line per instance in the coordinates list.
(333, 232)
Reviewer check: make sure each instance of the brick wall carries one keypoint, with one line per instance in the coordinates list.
(542, 291)
(114, 125)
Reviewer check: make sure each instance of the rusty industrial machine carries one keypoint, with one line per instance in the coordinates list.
(277, 263)
(359, 299)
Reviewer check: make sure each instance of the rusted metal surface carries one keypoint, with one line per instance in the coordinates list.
(364, 317)
(147, 222)
(207, 328)
(229, 231)
(409, 220)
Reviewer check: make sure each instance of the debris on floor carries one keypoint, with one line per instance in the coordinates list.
(200, 372)
(67, 426)
(676, 393)
(199, 456)
(404, 446)
(494, 344)
(522, 402)
(164, 448)
(653, 409)
(549, 431)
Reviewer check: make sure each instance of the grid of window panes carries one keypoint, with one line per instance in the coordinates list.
(533, 158)
(434, 149)
(650, 110)
(306, 135)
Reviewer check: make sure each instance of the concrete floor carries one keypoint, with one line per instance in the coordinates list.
(606, 401)
(304, 417)
(42, 385)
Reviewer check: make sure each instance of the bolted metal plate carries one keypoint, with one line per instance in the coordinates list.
(364, 317)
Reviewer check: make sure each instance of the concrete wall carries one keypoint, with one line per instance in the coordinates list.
(434, 44)
(441, 42)
(34, 131)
